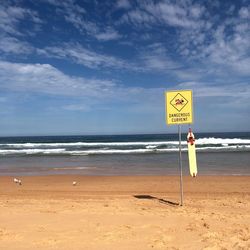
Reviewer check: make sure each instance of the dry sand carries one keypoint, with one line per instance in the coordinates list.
(137, 212)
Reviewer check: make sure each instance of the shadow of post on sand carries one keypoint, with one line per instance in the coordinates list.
(149, 197)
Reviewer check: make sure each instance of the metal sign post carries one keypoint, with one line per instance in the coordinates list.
(180, 165)
(179, 110)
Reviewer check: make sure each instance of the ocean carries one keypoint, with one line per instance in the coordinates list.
(154, 154)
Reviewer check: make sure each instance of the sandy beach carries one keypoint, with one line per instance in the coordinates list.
(124, 212)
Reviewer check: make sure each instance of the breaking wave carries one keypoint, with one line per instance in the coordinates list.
(139, 147)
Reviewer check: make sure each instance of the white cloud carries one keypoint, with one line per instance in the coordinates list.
(230, 51)
(11, 16)
(94, 30)
(77, 107)
(78, 17)
(155, 57)
(123, 4)
(244, 12)
(138, 18)
(206, 89)
(44, 78)
(199, 38)
(165, 13)
(223, 44)
(172, 15)
(14, 46)
(12, 38)
(216, 42)
(190, 74)
(108, 35)
(66, 6)
(80, 55)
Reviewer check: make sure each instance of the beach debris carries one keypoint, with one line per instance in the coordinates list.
(74, 183)
(15, 180)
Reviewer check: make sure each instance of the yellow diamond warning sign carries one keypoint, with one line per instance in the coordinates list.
(179, 107)
(179, 102)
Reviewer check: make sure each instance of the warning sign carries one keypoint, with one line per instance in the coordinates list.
(179, 107)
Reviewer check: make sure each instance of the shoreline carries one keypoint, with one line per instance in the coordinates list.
(126, 165)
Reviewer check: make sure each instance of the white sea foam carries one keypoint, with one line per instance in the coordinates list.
(117, 151)
(212, 140)
(114, 151)
(71, 168)
(201, 141)
(235, 147)
(87, 144)
(32, 151)
(94, 148)
(151, 146)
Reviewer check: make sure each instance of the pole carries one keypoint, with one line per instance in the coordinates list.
(180, 165)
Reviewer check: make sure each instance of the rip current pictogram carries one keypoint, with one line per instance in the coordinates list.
(179, 102)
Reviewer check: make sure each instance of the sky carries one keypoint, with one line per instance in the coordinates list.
(102, 67)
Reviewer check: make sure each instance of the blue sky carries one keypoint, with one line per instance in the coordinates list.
(101, 67)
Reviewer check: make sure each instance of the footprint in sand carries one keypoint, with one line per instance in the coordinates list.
(242, 234)
(9, 236)
(210, 236)
(48, 211)
(241, 245)
(161, 241)
(117, 234)
(46, 243)
(196, 225)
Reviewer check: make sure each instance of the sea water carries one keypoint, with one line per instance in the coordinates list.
(155, 154)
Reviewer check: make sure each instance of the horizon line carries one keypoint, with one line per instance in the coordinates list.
(118, 134)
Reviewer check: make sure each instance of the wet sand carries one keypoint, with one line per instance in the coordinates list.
(124, 212)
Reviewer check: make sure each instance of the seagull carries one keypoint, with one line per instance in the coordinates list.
(15, 180)
(19, 182)
(74, 183)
